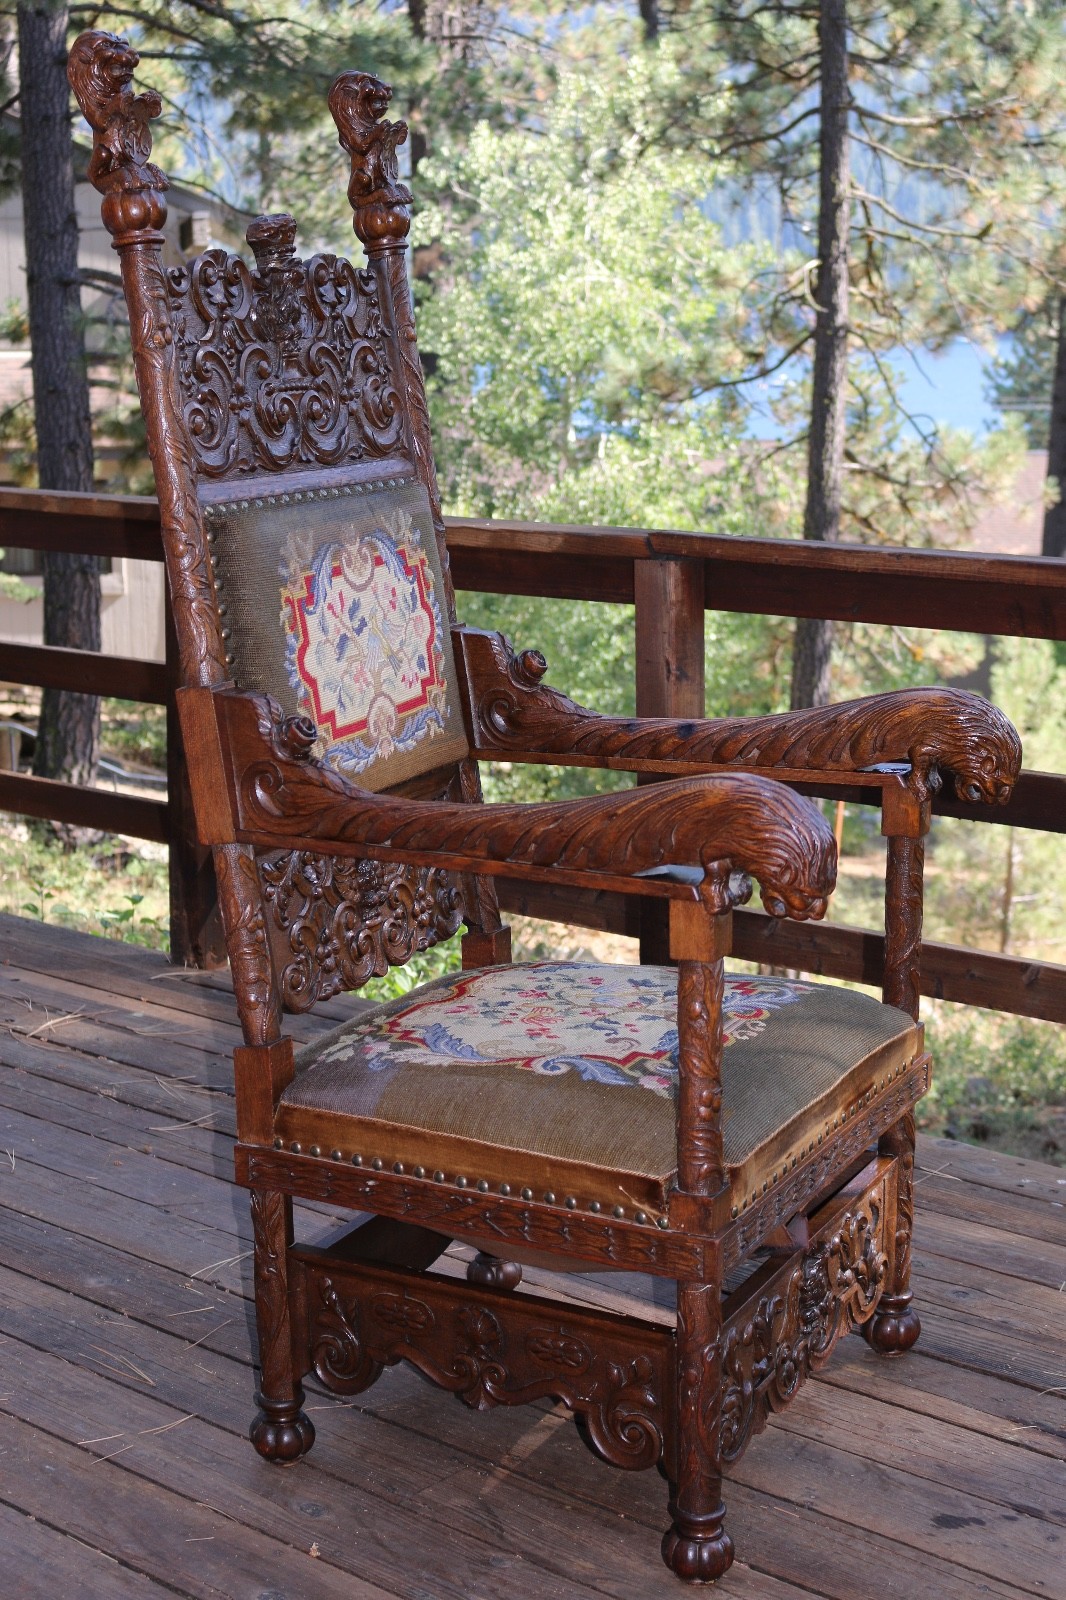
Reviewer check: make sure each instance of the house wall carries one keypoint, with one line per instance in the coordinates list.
(131, 612)
(132, 594)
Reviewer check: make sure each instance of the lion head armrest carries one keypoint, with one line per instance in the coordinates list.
(512, 712)
(256, 781)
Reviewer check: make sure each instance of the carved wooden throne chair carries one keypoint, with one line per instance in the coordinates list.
(750, 1138)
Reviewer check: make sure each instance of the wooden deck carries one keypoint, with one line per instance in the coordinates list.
(126, 1379)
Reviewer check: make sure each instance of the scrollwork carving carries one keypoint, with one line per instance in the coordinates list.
(337, 1353)
(767, 1355)
(335, 922)
(285, 365)
(503, 1353)
(761, 828)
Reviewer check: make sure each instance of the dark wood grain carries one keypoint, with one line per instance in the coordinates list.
(85, 808)
(954, 590)
(49, 666)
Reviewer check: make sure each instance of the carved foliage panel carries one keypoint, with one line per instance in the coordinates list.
(496, 1349)
(769, 1350)
(334, 922)
(284, 365)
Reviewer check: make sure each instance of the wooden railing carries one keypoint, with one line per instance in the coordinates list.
(671, 579)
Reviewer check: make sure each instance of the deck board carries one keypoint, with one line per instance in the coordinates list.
(125, 1309)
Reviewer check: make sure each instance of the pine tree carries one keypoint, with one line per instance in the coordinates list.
(953, 114)
(69, 726)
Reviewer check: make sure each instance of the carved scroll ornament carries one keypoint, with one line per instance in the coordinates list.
(934, 730)
(758, 826)
(335, 922)
(791, 1333)
(511, 1353)
(284, 365)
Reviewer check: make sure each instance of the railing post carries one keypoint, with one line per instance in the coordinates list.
(196, 934)
(668, 596)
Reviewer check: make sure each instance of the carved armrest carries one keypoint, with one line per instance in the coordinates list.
(255, 783)
(513, 714)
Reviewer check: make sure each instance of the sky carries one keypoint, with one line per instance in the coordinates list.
(949, 389)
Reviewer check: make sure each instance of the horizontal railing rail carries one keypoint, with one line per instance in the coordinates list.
(671, 578)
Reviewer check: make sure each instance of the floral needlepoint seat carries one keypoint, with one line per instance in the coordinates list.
(749, 1138)
(562, 1078)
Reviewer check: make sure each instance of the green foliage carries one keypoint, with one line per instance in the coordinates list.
(584, 307)
(997, 1079)
(107, 890)
(134, 732)
(436, 962)
(1021, 379)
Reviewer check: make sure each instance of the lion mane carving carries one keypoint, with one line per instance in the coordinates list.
(358, 102)
(100, 70)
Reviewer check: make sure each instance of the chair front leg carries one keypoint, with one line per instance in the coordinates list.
(696, 1546)
(895, 1326)
(280, 1431)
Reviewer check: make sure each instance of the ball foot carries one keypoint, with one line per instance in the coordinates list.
(281, 1432)
(894, 1326)
(494, 1272)
(698, 1550)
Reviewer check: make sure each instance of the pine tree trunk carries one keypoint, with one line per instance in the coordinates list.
(1054, 541)
(69, 729)
(825, 450)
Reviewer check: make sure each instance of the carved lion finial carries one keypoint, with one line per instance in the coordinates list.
(358, 102)
(100, 70)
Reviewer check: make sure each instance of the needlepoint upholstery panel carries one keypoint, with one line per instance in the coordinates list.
(332, 601)
(565, 1076)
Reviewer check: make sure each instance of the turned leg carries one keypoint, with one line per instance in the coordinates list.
(894, 1326)
(494, 1272)
(280, 1432)
(695, 1546)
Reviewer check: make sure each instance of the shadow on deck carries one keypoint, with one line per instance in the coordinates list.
(126, 1377)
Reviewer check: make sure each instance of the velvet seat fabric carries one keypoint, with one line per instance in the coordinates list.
(526, 1075)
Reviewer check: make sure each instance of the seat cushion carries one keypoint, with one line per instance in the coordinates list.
(562, 1078)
